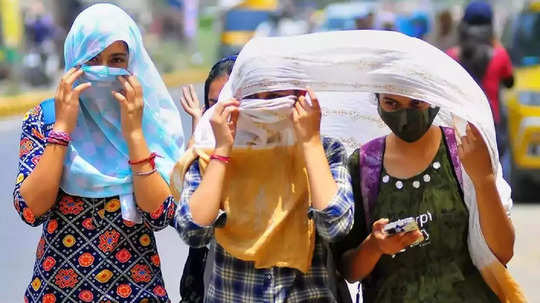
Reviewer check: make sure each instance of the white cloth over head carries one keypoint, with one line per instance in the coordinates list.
(345, 69)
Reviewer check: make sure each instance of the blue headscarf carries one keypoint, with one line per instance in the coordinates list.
(96, 165)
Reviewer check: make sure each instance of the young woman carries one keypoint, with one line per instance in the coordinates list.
(192, 282)
(418, 179)
(218, 76)
(267, 195)
(437, 165)
(91, 168)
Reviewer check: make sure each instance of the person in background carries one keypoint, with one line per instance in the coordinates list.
(192, 282)
(366, 21)
(486, 60)
(217, 77)
(420, 25)
(446, 33)
(386, 20)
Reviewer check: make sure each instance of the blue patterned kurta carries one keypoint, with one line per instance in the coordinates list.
(87, 252)
(235, 280)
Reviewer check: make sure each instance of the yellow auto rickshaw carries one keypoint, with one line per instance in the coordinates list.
(523, 103)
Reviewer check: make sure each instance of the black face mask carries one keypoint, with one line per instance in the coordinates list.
(409, 124)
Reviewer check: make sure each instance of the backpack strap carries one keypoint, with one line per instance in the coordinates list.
(451, 143)
(49, 117)
(371, 158)
(370, 165)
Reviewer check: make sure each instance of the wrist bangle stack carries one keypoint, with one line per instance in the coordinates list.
(59, 138)
(150, 159)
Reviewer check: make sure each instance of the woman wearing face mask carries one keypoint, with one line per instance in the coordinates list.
(92, 167)
(267, 195)
(418, 179)
(192, 283)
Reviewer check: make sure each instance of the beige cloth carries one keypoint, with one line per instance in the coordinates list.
(266, 199)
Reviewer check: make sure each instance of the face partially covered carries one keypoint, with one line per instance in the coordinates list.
(409, 119)
(277, 94)
(392, 103)
(215, 88)
(115, 55)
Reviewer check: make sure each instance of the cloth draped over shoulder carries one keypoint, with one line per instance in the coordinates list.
(345, 69)
(96, 165)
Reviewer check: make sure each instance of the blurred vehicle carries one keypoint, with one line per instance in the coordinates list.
(240, 23)
(11, 36)
(282, 23)
(345, 16)
(523, 101)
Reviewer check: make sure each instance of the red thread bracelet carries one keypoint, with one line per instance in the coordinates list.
(223, 159)
(151, 159)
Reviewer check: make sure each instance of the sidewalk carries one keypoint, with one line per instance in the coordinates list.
(19, 104)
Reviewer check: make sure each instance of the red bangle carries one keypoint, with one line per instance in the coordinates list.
(223, 159)
(151, 159)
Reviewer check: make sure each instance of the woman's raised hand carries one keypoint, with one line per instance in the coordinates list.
(66, 100)
(190, 102)
(131, 106)
(307, 119)
(223, 123)
(474, 155)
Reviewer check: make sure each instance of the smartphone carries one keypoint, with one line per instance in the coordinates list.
(403, 225)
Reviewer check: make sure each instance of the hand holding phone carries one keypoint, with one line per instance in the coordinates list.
(403, 226)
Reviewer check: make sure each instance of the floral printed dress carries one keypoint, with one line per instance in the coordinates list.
(87, 252)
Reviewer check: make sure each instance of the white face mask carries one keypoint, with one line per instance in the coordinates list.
(268, 111)
(265, 122)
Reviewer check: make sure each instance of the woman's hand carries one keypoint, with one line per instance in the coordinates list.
(66, 101)
(223, 124)
(131, 107)
(474, 156)
(307, 119)
(191, 103)
(496, 226)
(392, 244)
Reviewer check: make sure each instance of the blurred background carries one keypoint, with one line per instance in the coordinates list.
(186, 37)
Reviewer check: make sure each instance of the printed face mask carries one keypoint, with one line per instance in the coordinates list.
(98, 98)
(409, 124)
